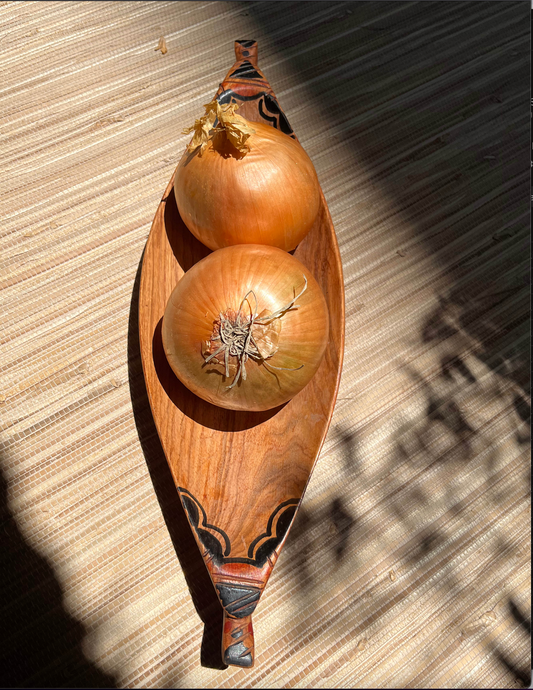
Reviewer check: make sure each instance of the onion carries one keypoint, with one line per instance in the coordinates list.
(274, 323)
(245, 183)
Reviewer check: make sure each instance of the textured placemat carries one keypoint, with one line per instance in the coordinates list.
(408, 564)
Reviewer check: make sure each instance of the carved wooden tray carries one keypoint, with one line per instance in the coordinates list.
(240, 475)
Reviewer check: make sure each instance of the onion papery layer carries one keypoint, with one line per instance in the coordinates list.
(267, 195)
(219, 283)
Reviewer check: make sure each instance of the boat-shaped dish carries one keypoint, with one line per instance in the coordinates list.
(240, 475)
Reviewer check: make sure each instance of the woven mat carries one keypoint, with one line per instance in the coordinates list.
(408, 563)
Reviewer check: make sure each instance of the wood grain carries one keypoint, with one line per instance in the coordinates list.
(240, 475)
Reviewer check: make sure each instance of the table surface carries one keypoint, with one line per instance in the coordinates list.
(408, 562)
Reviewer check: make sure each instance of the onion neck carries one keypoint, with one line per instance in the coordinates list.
(220, 120)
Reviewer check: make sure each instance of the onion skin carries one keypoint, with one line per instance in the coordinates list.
(219, 282)
(269, 195)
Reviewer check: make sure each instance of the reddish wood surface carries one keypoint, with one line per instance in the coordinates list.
(240, 475)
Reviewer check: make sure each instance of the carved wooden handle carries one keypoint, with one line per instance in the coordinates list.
(238, 641)
(246, 50)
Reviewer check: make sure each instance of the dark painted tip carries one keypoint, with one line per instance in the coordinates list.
(238, 655)
(247, 51)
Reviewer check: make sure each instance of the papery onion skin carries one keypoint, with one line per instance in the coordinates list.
(219, 282)
(269, 195)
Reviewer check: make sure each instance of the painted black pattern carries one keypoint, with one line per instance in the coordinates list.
(277, 527)
(238, 654)
(267, 107)
(229, 96)
(246, 43)
(238, 601)
(217, 543)
(270, 118)
(204, 530)
(272, 106)
(246, 71)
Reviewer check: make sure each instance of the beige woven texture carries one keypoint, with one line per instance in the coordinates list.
(408, 563)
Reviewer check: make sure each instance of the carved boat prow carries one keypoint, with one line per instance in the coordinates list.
(240, 475)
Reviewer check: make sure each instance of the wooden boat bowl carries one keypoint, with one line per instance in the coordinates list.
(240, 475)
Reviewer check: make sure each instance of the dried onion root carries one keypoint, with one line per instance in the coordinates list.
(237, 337)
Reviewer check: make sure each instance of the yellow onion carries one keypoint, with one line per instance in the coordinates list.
(262, 298)
(245, 183)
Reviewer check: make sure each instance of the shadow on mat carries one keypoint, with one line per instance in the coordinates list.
(40, 642)
(418, 148)
(413, 139)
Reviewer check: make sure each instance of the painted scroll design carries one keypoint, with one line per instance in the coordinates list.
(217, 543)
(267, 107)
